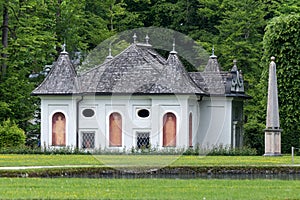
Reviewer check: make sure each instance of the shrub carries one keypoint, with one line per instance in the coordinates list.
(229, 151)
(11, 135)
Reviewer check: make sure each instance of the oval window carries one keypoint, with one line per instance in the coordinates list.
(143, 113)
(88, 112)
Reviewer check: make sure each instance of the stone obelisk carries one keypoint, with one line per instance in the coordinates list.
(272, 131)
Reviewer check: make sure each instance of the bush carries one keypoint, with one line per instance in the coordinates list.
(229, 151)
(11, 135)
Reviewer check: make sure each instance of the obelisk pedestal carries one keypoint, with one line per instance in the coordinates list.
(272, 131)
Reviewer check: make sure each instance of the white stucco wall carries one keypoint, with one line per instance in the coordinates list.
(211, 119)
(128, 106)
(215, 121)
(194, 109)
(51, 105)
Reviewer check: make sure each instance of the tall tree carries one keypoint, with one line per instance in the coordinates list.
(281, 40)
(4, 37)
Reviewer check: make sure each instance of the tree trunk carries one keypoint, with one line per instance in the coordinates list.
(4, 38)
(58, 26)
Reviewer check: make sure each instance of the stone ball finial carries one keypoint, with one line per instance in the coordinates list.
(273, 58)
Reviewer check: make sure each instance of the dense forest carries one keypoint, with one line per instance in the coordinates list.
(251, 31)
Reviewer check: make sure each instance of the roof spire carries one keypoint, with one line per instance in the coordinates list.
(147, 39)
(234, 68)
(109, 57)
(213, 56)
(134, 38)
(109, 53)
(173, 50)
(64, 48)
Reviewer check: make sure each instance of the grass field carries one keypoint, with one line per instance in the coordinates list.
(145, 160)
(62, 188)
(102, 188)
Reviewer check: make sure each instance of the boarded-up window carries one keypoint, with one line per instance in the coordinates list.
(58, 129)
(115, 130)
(169, 130)
(190, 130)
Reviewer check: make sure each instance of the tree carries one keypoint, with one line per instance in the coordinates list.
(282, 41)
(4, 37)
(240, 34)
(11, 135)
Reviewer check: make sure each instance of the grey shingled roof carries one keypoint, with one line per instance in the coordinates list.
(61, 79)
(139, 70)
(215, 81)
(212, 80)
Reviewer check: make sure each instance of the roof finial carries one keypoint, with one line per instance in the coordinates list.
(147, 39)
(109, 57)
(234, 68)
(213, 56)
(173, 50)
(134, 38)
(273, 58)
(64, 48)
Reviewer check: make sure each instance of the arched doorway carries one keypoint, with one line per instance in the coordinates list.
(169, 130)
(58, 129)
(115, 130)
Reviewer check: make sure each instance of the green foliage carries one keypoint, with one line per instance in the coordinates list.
(143, 188)
(282, 41)
(240, 34)
(254, 136)
(16, 90)
(11, 135)
(229, 151)
(37, 29)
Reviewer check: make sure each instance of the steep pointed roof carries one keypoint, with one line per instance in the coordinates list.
(61, 78)
(177, 75)
(214, 79)
(138, 70)
(220, 83)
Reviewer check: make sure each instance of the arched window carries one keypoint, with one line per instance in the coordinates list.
(169, 130)
(115, 130)
(190, 130)
(58, 129)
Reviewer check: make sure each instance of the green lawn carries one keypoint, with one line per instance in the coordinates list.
(83, 188)
(64, 188)
(8, 160)
(141, 160)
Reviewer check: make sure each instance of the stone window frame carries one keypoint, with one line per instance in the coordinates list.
(137, 109)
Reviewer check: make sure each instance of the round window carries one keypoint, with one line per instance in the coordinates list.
(143, 113)
(88, 112)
